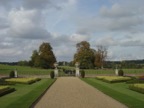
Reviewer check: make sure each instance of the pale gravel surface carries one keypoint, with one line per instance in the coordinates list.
(71, 92)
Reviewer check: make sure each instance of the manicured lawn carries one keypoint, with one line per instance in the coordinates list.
(111, 71)
(23, 70)
(25, 95)
(119, 91)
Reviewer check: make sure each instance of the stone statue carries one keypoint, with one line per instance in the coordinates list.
(56, 69)
(77, 69)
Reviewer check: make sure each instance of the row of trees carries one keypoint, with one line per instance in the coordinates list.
(85, 55)
(44, 57)
(88, 57)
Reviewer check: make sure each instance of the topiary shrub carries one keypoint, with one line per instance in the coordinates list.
(52, 75)
(12, 74)
(120, 72)
(82, 73)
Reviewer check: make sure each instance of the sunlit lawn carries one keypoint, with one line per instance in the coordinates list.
(24, 95)
(23, 70)
(119, 91)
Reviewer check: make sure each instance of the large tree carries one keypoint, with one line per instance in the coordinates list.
(100, 56)
(47, 57)
(84, 55)
(33, 61)
(43, 58)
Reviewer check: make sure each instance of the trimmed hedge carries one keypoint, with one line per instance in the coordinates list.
(120, 72)
(3, 82)
(137, 87)
(12, 74)
(82, 73)
(113, 79)
(52, 75)
(5, 90)
(23, 80)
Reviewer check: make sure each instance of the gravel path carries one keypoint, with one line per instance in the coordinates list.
(71, 92)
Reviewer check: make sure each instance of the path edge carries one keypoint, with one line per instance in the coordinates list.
(39, 97)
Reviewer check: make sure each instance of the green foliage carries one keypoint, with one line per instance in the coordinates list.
(12, 74)
(23, 80)
(84, 55)
(23, 63)
(82, 73)
(100, 56)
(5, 90)
(120, 72)
(137, 88)
(43, 58)
(52, 75)
(113, 79)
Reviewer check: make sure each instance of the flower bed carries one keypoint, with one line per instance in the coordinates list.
(5, 90)
(113, 79)
(137, 87)
(23, 80)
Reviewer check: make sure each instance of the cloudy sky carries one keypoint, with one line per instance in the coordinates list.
(117, 24)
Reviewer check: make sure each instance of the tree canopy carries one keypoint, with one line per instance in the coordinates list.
(43, 58)
(88, 57)
(84, 55)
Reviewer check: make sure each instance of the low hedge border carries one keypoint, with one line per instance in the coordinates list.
(6, 91)
(137, 89)
(37, 100)
(103, 78)
(114, 81)
(31, 81)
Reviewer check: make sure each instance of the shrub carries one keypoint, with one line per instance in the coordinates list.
(82, 73)
(120, 72)
(12, 74)
(23, 80)
(52, 75)
(137, 87)
(113, 79)
(5, 90)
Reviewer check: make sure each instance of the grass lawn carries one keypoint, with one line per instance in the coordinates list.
(111, 71)
(23, 70)
(24, 95)
(119, 91)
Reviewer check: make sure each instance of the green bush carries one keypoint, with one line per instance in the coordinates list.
(120, 72)
(6, 91)
(135, 81)
(3, 82)
(52, 75)
(137, 89)
(82, 73)
(12, 74)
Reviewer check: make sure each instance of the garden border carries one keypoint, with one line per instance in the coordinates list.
(39, 97)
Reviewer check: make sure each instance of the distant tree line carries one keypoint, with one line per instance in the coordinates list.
(86, 56)
(127, 64)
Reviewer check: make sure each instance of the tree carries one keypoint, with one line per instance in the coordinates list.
(100, 56)
(84, 55)
(33, 61)
(47, 58)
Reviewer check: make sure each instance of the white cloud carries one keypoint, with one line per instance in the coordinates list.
(26, 24)
(79, 37)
